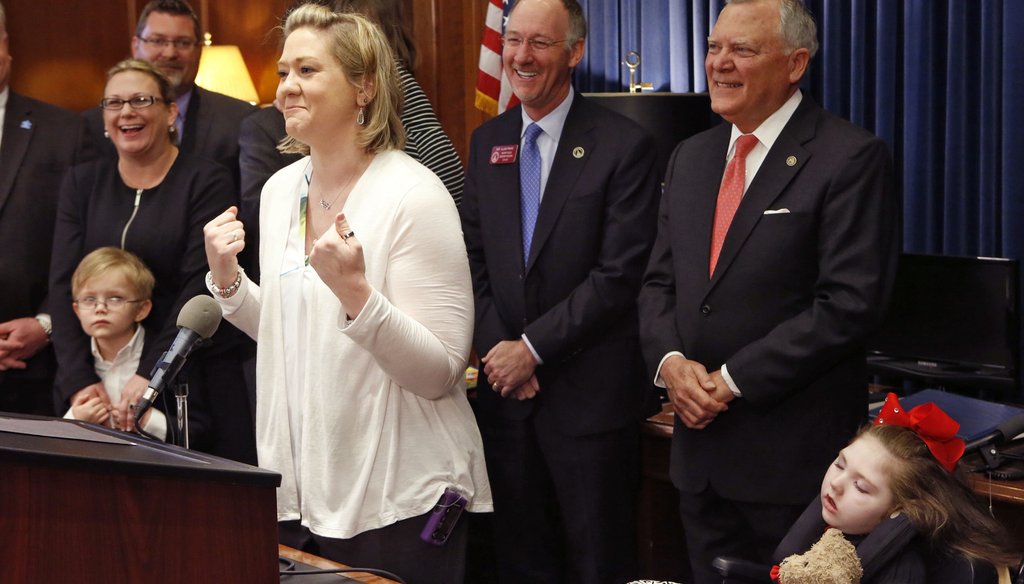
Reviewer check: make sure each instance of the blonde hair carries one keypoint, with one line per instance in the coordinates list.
(365, 58)
(939, 504)
(103, 260)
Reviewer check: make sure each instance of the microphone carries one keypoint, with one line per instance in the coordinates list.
(1005, 431)
(197, 321)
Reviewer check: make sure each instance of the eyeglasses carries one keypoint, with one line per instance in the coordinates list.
(180, 44)
(535, 44)
(112, 303)
(115, 104)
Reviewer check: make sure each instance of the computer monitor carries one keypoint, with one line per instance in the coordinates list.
(953, 321)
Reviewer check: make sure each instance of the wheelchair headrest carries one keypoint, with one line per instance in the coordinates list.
(885, 542)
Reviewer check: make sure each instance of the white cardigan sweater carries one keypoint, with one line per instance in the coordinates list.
(385, 422)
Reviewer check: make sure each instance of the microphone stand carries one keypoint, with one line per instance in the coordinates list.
(181, 397)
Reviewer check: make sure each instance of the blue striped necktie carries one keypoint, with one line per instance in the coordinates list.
(529, 186)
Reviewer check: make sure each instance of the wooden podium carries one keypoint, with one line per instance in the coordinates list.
(84, 504)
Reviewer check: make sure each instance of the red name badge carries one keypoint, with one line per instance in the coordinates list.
(504, 154)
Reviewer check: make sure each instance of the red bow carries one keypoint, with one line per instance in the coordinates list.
(928, 421)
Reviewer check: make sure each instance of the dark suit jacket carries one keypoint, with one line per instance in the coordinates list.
(804, 274)
(576, 297)
(38, 146)
(211, 128)
(258, 160)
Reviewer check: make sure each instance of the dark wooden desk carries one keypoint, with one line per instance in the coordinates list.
(325, 564)
(662, 545)
(1006, 499)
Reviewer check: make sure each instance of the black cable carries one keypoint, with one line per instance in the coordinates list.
(173, 436)
(288, 569)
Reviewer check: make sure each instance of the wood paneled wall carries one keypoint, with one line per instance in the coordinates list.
(62, 50)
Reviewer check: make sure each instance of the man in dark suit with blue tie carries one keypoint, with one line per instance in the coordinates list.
(37, 144)
(767, 274)
(558, 214)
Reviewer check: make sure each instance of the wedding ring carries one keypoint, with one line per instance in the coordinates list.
(234, 236)
(347, 235)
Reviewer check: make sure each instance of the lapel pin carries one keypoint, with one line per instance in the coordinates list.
(26, 124)
(791, 161)
(578, 152)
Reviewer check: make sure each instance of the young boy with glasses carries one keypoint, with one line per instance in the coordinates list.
(112, 291)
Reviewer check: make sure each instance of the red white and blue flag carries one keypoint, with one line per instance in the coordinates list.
(493, 90)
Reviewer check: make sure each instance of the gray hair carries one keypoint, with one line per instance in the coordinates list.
(796, 25)
(577, 22)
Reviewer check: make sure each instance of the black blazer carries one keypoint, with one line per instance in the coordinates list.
(576, 297)
(804, 274)
(38, 146)
(258, 160)
(210, 131)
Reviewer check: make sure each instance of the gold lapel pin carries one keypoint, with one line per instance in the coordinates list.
(791, 161)
(578, 152)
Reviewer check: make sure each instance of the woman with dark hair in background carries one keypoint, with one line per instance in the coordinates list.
(425, 140)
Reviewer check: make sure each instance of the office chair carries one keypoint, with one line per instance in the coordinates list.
(876, 550)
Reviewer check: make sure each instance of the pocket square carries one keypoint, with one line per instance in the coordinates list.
(782, 211)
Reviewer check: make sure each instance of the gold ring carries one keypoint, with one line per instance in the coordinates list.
(347, 235)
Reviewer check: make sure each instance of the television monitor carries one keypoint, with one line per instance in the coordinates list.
(952, 320)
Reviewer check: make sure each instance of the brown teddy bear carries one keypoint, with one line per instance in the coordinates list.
(832, 560)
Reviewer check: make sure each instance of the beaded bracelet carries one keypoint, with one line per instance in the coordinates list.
(224, 292)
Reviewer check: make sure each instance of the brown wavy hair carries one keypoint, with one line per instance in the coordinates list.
(939, 504)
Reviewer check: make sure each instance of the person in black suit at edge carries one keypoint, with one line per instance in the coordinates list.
(759, 339)
(37, 145)
(562, 388)
(168, 35)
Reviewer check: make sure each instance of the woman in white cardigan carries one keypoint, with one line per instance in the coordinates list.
(363, 317)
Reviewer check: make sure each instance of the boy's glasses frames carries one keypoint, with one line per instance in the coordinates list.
(112, 303)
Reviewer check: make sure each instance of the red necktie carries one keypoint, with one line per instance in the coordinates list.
(729, 195)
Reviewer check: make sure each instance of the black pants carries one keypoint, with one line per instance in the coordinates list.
(564, 505)
(396, 548)
(27, 397)
(716, 526)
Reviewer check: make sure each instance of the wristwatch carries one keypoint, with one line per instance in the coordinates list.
(46, 323)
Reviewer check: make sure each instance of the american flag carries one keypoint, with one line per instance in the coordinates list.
(493, 91)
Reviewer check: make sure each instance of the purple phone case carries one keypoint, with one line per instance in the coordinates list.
(443, 518)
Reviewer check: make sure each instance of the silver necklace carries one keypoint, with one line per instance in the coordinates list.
(324, 204)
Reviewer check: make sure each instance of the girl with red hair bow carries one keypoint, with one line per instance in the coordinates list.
(905, 463)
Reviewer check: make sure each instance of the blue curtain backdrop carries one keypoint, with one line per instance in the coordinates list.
(942, 81)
